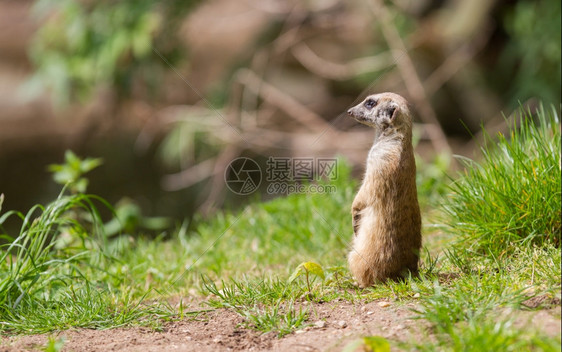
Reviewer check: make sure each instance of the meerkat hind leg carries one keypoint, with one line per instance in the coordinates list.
(360, 268)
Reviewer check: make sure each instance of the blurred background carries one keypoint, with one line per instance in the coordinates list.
(167, 93)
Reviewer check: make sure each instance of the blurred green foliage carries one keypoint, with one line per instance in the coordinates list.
(128, 217)
(83, 44)
(71, 172)
(129, 220)
(533, 52)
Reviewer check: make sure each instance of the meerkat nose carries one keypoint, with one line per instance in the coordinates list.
(349, 112)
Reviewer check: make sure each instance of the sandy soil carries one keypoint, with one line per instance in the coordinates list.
(333, 325)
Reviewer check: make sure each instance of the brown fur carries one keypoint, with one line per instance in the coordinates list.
(385, 211)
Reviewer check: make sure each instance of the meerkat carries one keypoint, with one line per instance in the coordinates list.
(385, 212)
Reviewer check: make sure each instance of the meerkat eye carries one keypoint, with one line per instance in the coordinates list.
(370, 103)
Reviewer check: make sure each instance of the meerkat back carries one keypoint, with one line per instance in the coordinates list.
(385, 212)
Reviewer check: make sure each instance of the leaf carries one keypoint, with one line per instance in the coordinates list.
(64, 176)
(80, 185)
(55, 167)
(376, 344)
(314, 268)
(298, 272)
(309, 267)
(89, 164)
(54, 345)
(368, 343)
(71, 159)
(71, 171)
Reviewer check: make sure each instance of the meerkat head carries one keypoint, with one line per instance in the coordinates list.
(385, 112)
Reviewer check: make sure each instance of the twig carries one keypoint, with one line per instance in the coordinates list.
(335, 71)
(302, 142)
(217, 183)
(189, 176)
(284, 102)
(455, 62)
(250, 100)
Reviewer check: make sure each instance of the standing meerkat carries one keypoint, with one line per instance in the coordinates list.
(385, 212)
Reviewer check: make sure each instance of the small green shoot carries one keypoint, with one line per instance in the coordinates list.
(54, 345)
(59, 271)
(129, 219)
(368, 344)
(70, 173)
(308, 269)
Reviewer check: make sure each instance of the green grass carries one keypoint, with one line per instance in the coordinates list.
(280, 318)
(504, 215)
(57, 272)
(62, 270)
(86, 307)
(491, 334)
(512, 197)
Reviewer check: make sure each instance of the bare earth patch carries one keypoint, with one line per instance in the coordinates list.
(332, 326)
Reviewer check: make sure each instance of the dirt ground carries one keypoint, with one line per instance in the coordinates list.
(333, 325)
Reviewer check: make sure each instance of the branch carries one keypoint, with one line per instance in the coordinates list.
(410, 76)
(335, 71)
(189, 176)
(459, 59)
(284, 102)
